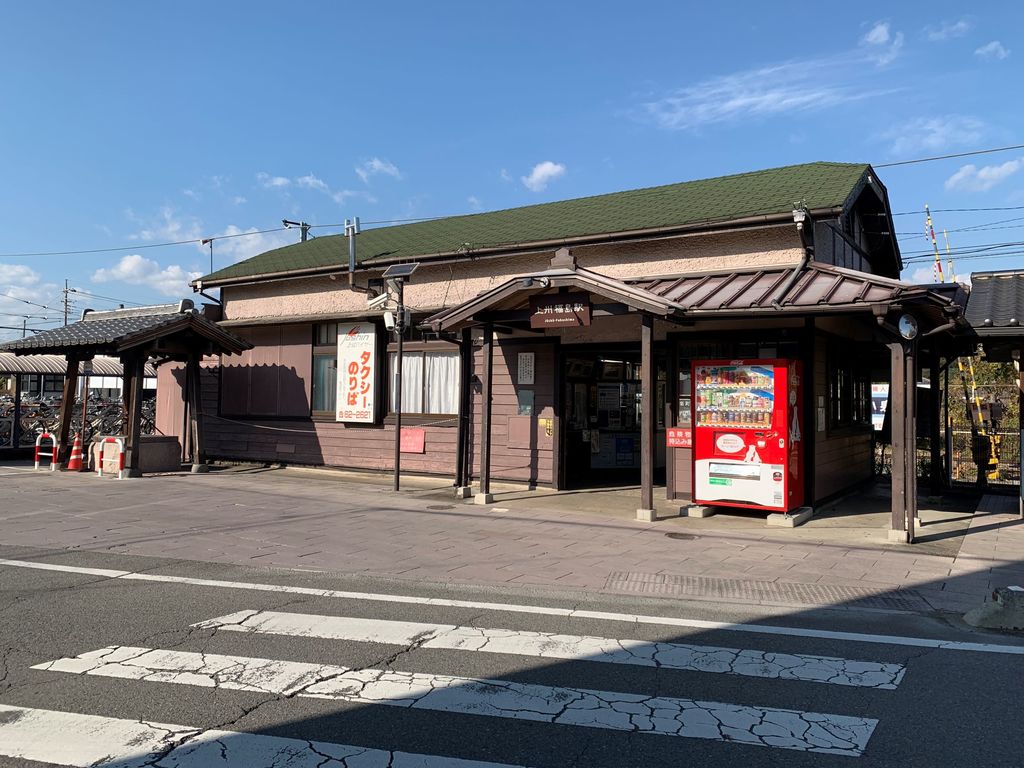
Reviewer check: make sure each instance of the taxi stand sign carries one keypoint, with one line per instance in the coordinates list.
(357, 382)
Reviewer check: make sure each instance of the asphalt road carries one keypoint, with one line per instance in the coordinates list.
(108, 667)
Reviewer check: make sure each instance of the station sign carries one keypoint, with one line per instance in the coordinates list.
(552, 310)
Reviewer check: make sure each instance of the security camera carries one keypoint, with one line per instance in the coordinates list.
(389, 320)
(377, 302)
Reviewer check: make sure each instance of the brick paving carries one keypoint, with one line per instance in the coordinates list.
(355, 524)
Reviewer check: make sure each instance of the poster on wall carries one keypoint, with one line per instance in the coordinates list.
(357, 385)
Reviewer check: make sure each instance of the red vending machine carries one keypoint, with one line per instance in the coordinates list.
(747, 430)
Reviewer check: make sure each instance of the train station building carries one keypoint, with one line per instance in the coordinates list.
(554, 345)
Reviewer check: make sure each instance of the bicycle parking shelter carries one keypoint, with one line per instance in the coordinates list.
(162, 333)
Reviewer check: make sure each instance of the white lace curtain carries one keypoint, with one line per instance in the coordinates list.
(430, 382)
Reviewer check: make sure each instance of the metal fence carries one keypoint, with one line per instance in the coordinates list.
(103, 417)
(963, 468)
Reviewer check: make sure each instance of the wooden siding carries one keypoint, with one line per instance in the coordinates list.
(842, 458)
(521, 449)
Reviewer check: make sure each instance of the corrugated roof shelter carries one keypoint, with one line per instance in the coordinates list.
(161, 332)
(56, 365)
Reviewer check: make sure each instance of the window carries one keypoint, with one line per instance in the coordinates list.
(430, 382)
(849, 391)
(325, 369)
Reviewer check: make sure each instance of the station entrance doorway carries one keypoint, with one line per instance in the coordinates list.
(602, 405)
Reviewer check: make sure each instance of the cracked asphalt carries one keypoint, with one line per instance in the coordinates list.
(489, 685)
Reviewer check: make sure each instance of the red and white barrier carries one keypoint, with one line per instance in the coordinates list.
(120, 456)
(52, 455)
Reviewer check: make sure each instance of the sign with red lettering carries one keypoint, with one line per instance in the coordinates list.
(413, 440)
(559, 309)
(677, 437)
(357, 364)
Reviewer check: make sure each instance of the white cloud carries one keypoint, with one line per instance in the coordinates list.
(474, 203)
(882, 44)
(310, 181)
(878, 34)
(239, 200)
(18, 275)
(947, 30)
(542, 174)
(505, 175)
(790, 87)
(137, 270)
(20, 284)
(267, 181)
(933, 134)
(375, 167)
(993, 51)
(970, 178)
(166, 226)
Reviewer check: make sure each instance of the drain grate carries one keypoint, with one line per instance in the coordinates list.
(441, 506)
(766, 591)
(680, 536)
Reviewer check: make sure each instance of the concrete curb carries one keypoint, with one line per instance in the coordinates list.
(1004, 611)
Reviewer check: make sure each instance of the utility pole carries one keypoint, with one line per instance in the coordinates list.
(210, 242)
(303, 228)
(66, 300)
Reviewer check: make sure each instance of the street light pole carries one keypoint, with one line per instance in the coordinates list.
(399, 332)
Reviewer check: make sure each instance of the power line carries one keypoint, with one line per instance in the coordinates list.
(137, 247)
(80, 292)
(950, 157)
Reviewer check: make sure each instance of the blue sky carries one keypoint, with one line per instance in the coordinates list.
(125, 125)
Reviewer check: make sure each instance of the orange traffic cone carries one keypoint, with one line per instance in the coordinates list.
(75, 460)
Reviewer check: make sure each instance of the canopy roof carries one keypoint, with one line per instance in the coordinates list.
(814, 289)
(170, 331)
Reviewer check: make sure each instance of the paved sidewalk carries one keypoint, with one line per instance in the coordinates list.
(354, 524)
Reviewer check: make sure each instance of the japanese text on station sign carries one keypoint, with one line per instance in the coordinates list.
(357, 353)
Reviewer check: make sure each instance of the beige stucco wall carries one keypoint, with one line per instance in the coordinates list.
(446, 285)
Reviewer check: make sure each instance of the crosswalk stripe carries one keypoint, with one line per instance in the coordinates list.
(758, 726)
(71, 739)
(543, 610)
(546, 645)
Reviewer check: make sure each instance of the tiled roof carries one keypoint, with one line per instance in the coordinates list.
(996, 305)
(817, 286)
(723, 199)
(116, 330)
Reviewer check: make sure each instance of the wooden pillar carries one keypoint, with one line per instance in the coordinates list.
(810, 406)
(647, 405)
(1020, 423)
(195, 410)
(127, 379)
(558, 457)
(133, 427)
(67, 408)
(910, 414)
(897, 419)
(462, 463)
(671, 414)
(487, 381)
(935, 473)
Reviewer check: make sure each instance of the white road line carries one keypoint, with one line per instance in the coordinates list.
(547, 645)
(71, 739)
(663, 715)
(668, 621)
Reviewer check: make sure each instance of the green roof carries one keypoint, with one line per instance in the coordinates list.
(722, 199)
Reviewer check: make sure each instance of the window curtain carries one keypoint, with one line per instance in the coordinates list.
(430, 382)
(412, 382)
(325, 382)
(442, 382)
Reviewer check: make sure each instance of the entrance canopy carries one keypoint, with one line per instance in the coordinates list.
(808, 289)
